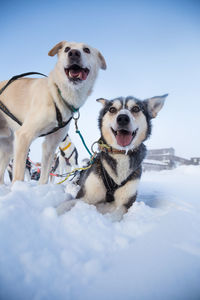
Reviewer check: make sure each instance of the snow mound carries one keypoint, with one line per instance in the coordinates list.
(153, 253)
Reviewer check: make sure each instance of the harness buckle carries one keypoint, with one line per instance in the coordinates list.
(92, 147)
(76, 115)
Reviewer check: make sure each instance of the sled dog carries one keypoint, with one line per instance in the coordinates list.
(67, 158)
(112, 181)
(28, 170)
(43, 105)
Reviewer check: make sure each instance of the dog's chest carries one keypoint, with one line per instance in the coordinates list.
(121, 170)
(74, 95)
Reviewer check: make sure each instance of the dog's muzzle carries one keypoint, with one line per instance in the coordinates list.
(123, 135)
(75, 72)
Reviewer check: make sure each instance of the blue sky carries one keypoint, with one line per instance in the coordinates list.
(151, 48)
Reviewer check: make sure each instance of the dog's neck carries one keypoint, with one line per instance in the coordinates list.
(73, 94)
(121, 164)
(109, 149)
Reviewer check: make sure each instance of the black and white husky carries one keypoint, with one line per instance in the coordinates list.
(67, 158)
(28, 169)
(112, 181)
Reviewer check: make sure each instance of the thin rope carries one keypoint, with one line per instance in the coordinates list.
(73, 172)
(83, 141)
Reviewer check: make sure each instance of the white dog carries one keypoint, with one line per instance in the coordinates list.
(67, 158)
(46, 105)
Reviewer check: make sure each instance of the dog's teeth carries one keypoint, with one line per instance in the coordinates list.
(72, 75)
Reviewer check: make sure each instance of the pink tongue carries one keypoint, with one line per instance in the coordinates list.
(74, 73)
(123, 139)
(82, 74)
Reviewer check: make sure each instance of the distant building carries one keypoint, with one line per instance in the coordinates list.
(164, 151)
(154, 165)
(195, 160)
(165, 159)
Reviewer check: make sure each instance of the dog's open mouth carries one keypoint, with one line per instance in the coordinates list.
(75, 73)
(124, 137)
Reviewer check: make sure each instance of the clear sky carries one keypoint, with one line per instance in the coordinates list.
(151, 48)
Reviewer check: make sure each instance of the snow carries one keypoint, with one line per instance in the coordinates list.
(153, 253)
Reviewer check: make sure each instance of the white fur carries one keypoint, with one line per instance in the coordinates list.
(63, 167)
(137, 122)
(125, 192)
(123, 170)
(92, 185)
(32, 101)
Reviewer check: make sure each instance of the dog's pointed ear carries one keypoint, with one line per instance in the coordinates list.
(155, 104)
(102, 61)
(56, 48)
(102, 101)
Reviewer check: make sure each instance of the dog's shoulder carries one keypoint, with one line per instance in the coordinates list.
(91, 185)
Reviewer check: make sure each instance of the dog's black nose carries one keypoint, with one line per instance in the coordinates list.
(123, 120)
(74, 54)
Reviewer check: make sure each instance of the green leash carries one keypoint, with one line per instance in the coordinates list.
(79, 133)
(84, 144)
(75, 110)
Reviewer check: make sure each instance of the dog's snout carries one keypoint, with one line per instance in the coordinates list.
(123, 120)
(74, 54)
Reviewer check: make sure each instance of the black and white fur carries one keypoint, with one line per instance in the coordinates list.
(28, 170)
(125, 123)
(67, 159)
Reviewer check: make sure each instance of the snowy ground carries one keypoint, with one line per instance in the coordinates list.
(153, 253)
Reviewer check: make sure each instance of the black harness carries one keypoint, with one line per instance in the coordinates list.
(111, 186)
(66, 160)
(61, 124)
(55, 165)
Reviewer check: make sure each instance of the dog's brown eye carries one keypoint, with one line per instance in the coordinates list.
(86, 50)
(112, 110)
(67, 49)
(135, 109)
